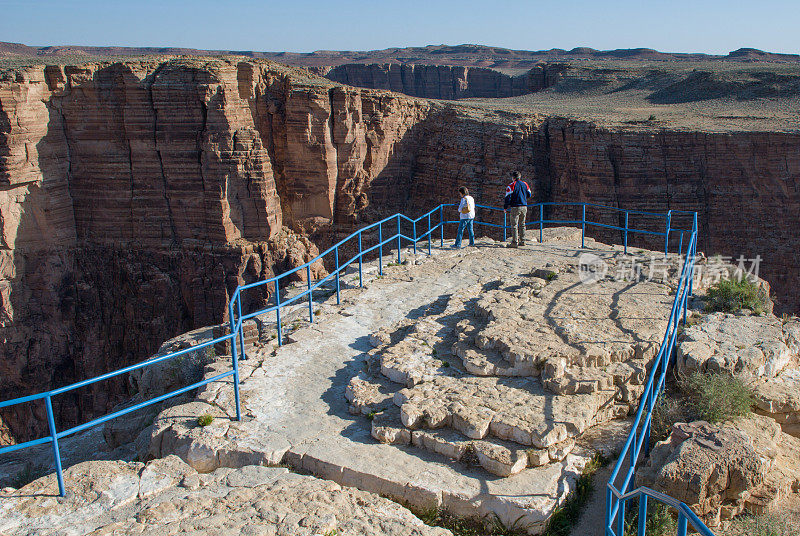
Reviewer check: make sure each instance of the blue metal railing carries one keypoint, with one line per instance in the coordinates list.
(639, 438)
(617, 497)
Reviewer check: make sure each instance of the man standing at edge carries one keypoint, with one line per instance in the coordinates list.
(466, 214)
(516, 200)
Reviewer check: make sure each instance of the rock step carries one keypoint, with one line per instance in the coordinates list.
(489, 362)
(412, 361)
(499, 457)
(369, 394)
(568, 380)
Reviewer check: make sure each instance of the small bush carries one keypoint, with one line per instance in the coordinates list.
(205, 420)
(660, 521)
(763, 525)
(718, 397)
(729, 295)
(666, 412)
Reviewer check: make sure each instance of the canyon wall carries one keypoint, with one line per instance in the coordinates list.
(745, 186)
(443, 81)
(135, 196)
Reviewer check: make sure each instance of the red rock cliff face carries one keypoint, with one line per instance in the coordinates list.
(443, 81)
(134, 197)
(744, 186)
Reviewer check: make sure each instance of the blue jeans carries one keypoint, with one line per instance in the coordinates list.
(459, 234)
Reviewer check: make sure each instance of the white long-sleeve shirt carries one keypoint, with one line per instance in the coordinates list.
(466, 210)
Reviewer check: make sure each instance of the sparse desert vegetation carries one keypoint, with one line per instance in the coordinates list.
(730, 295)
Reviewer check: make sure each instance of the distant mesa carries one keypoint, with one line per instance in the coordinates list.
(464, 55)
(576, 50)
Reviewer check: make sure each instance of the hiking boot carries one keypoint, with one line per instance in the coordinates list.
(521, 243)
(512, 245)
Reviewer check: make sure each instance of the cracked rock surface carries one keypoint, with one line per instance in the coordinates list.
(507, 374)
(721, 470)
(333, 401)
(167, 497)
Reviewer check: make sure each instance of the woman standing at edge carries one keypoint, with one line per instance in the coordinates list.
(466, 213)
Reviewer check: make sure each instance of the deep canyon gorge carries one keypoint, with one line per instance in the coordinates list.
(136, 195)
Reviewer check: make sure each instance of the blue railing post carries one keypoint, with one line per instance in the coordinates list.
(310, 295)
(278, 311)
(398, 240)
(234, 354)
(51, 423)
(683, 523)
(241, 328)
(621, 517)
(360, 262)
(429, 233)
(693, 253)
(336, 255)
(541, 223)
(441, 226)
(642, 515)
(666, 237)
(505, 224)
(380, 249)
(609, 507)
(583, 226)
(626, 232)
(649, 402)
(415, 237)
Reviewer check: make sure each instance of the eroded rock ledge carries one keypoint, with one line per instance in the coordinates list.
(167, 497)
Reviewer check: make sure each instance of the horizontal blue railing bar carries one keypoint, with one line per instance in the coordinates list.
(156, 400)
(636, 441)
(112, 374)
(32, 443)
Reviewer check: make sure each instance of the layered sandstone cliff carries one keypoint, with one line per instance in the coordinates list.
(444, 81)
(135, 196)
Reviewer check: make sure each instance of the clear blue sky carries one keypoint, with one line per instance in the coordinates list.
(713, 26)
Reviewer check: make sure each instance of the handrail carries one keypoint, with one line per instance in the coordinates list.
(639, 437)
(236, 318)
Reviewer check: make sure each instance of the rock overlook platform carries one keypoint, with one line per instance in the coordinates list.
(480, 381)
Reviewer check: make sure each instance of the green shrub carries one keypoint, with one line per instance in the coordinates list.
(660, 521)
(718, 397)
(763, 525)
(205, 420)
(729, 295)
(668, 411)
